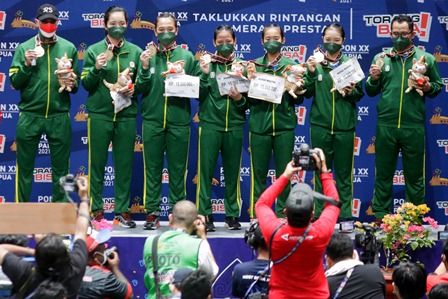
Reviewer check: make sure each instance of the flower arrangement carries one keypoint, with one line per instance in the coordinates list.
(103, 224)
(404, 231)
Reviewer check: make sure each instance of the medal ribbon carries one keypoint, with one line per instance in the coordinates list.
(38, 42)
(273, 63)
(172, 47)
(219, 59)
(394, 52)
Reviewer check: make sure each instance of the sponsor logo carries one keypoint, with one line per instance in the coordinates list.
(138, 23)
(18, 22)
(437, 180)
(81, 115)
(81, 171)
(2, 199)
(298, 177)
(2, 143)
(43, 147)
(357, 146)
(109, 176)
(218, 206)
(296, 53)
(445, 82)
(96, 19)
(108, 204)
(136, 206)
(2, 20)
(271, 175)
(359, 174)
(444, 144)
(2, 80)
(300, 115)
(398, 179)
(138, 147)
(165, 176)
(371, 148)
(422, 24)
(42, 175)
(441, 205)
(81, 51)
(437, 118)
(356, 207)
(6, 172)
(442, 20)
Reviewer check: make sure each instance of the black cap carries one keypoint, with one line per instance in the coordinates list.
(47, 11)
(181, 274)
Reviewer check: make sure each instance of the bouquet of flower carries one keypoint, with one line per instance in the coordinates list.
(404, 231)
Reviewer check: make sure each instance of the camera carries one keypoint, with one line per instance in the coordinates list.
(368, 243)
(302, 157)
(69, 183)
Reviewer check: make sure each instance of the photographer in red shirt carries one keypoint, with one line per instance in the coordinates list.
(297, 246)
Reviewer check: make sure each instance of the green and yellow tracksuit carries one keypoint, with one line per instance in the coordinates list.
(104, 126)
(221, 121)
(42, 110)
(166, 128)
(271, 129)
(333, 121)
(400, 126)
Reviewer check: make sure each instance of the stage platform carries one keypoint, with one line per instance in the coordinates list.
(228, 248)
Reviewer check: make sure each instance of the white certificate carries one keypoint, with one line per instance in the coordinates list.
(183, 86)
(225, 81)
(267, 88)
(120, 101)
(349, 71)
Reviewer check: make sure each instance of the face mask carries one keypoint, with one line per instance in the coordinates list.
(48, 30)
(225, 49)
(332, 48)
(117, 31)
(401, 43)
(272, 46)
(166, 38)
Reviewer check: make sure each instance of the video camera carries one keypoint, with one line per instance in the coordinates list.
(110, 252)
(368, 243)
(69, 183)
(302, 157)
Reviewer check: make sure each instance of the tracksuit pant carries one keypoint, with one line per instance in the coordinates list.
(230, 144)
(28, 134)
(338, 150)
(261, 149)
(388, 142)
(175, 141)
(122, 135)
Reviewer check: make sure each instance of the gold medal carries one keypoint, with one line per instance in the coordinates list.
(39, 51)
(379, 62)
(152, 49)
(109, 54)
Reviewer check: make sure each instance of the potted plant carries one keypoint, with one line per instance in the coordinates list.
(405, 231)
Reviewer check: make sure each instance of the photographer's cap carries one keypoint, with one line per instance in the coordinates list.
(47, 11)
(300, 200)
(97, 238)
(181, 274)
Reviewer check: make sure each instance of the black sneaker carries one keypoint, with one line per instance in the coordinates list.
(152, 222)
(232, 223)
(124, 220)
(209, 226)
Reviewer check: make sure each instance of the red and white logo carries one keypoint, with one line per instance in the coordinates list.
(2, 81)
(2, 199)
(422, 24)
(443, 205)
(96, 20)
(42, 175)
(443, 143)
(298, 177)
(356, 207)
(301, 115)
(2, 143)
(398, 177)
(443, 20)
(2, 20)
(165, 176)
(357, 146)
(296, 53)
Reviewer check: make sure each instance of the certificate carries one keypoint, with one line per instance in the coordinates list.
(267, 87)
(349, 71)
(183, 86)
(225, 81)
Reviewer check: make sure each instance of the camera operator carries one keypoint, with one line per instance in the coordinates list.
(103, 278)
(348, 277)
(298, 272)
(53, 260)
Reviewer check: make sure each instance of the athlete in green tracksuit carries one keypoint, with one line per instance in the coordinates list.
(221, 121)
(166, 123)
(401, 116)
(271, 125)
(42, 108)
(104, 125)
(333, 119)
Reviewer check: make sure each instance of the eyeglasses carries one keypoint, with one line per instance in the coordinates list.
(402, 34)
